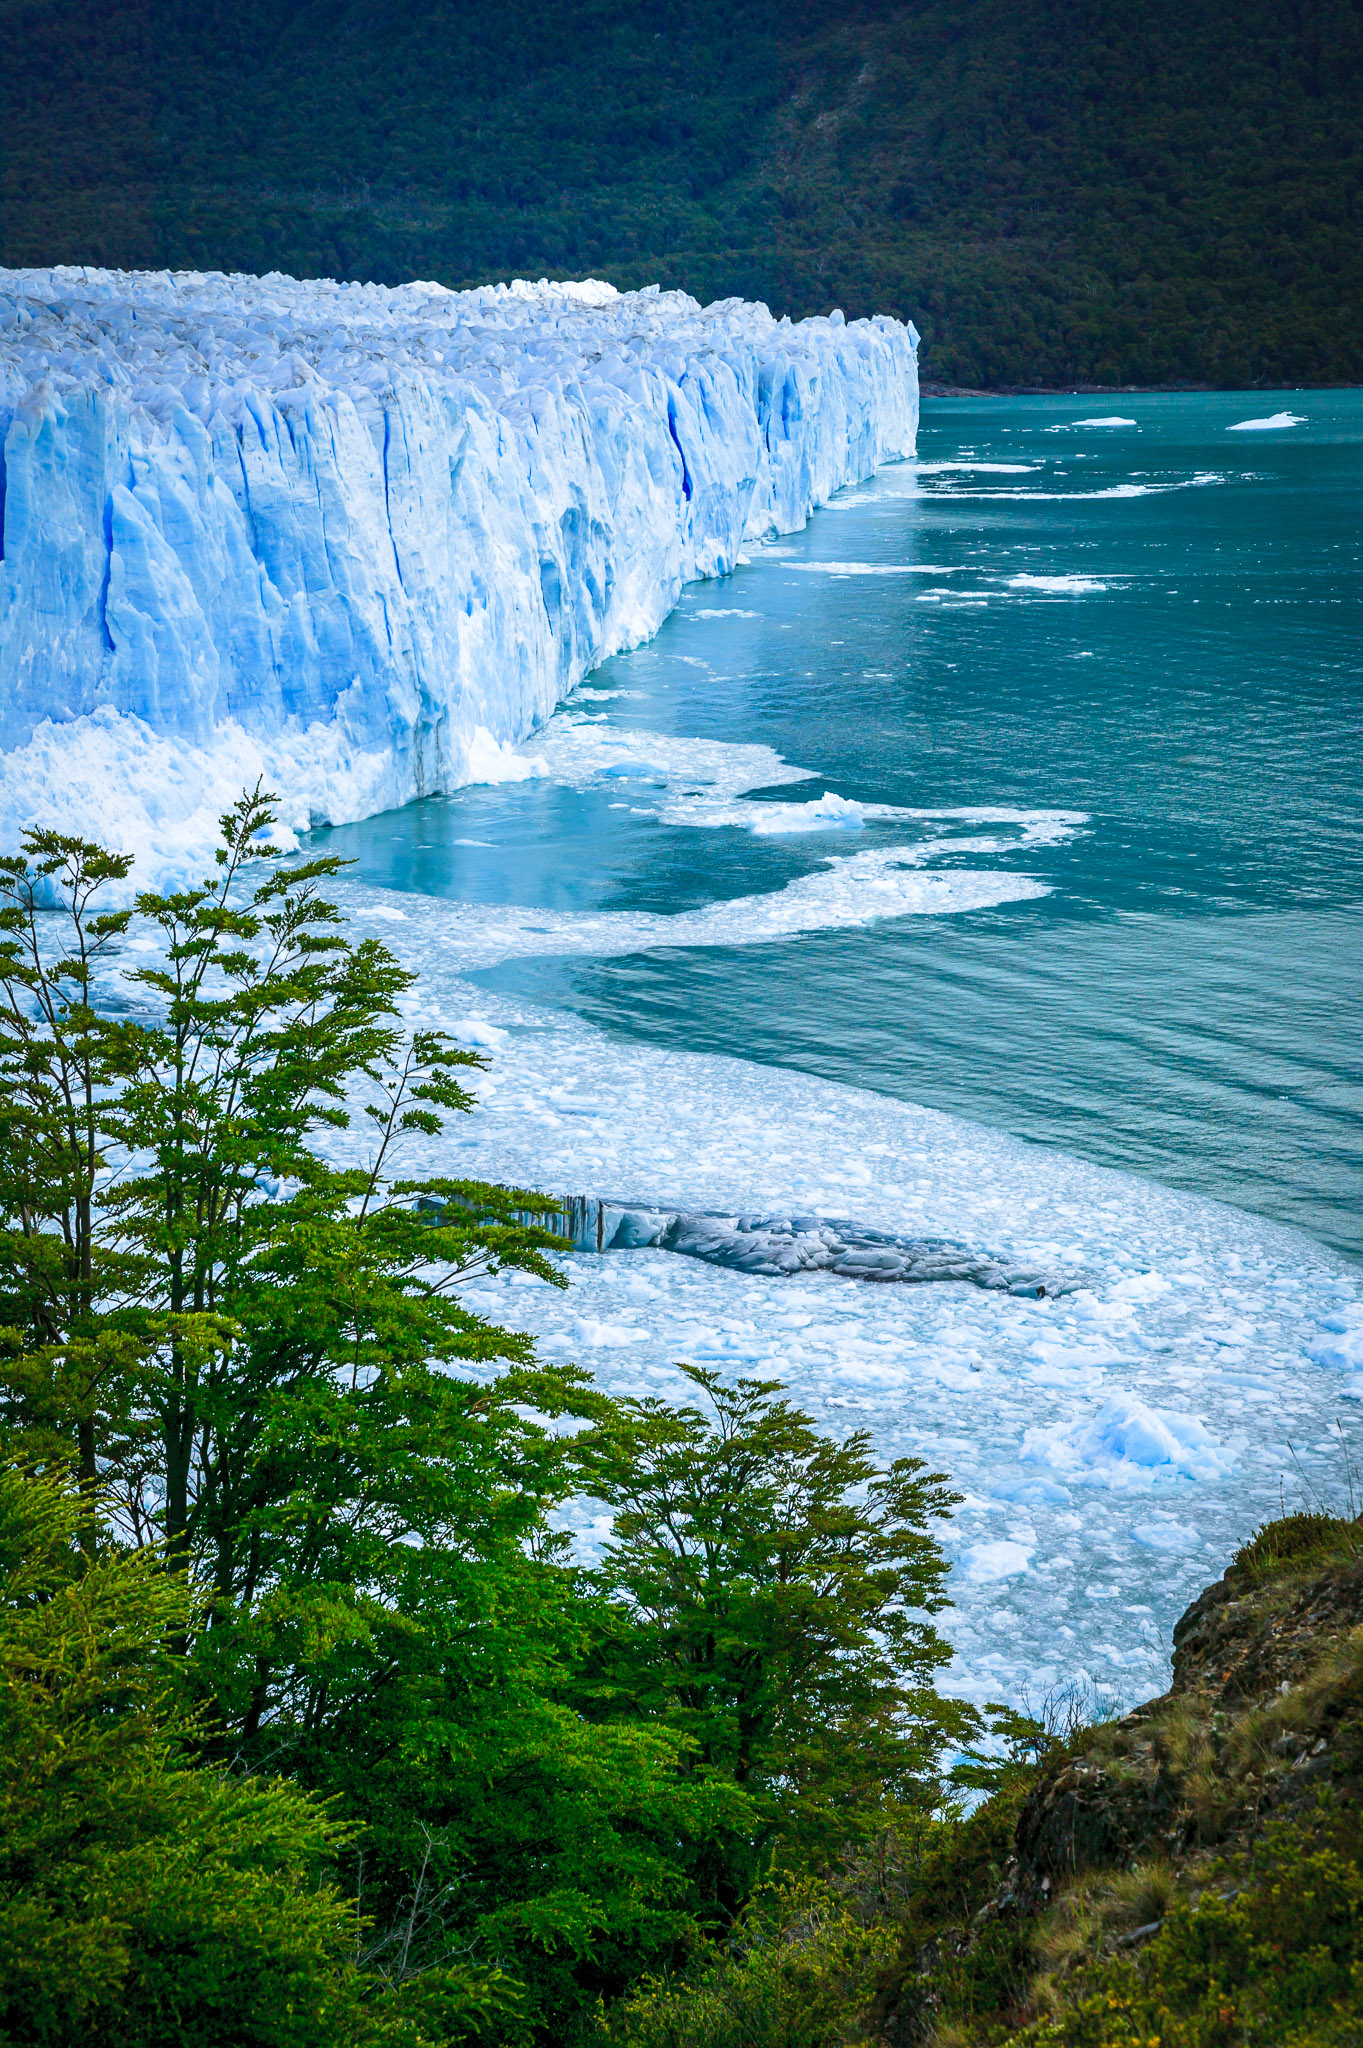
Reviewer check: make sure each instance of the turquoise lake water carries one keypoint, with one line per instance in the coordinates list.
(1154, 624)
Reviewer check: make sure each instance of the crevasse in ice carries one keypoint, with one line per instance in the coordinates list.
(362, 540)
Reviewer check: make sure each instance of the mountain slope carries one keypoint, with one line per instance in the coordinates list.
(1057, 191)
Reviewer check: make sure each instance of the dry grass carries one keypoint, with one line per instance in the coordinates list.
(1067, 1930)
(1135, 1897)
(1180, 1736)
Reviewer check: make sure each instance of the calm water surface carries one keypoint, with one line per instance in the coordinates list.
(1184, 667)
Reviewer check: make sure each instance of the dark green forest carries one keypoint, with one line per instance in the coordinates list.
(1058, 192)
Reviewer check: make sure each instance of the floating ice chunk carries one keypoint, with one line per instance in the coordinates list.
(1142, 1287)
(575, 749)
(1061, 586)
(1128, 1446)
(1341, 1345)
(1079, 1369)
(1089, 1309)
(873, 568)
(783, 1246)
(1163, 1533)
(477, 1031)
(1272, 423)
(1113, 419)
(1130, 490)
(600, 1336)
(982, 1563)
(826, 813)
(1037, 1493)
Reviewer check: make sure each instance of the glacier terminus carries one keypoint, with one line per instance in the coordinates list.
(360, 541)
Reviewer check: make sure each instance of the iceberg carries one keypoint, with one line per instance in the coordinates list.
(1128, 1445)
(1272, 423)
(361, 540)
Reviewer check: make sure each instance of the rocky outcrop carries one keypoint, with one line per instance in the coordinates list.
(1267, 1684)
(1262, 1725)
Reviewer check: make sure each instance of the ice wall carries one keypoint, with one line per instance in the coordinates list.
(360, 540)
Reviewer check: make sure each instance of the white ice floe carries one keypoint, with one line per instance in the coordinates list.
(872, 568)
(1128, 1445)
(826, 813)
(697, 782)
(360, 541)
(578, 750)
(936, 831)
(1161, 1532)
(1114, 419)
(845, 892)
(1339, 1347)
(983, 1564)
(1127, 490)
(1272, 423)
(1057, 586)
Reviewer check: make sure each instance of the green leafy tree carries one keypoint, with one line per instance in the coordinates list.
(385, 1616)
(144, 1898)
(174, 1251)
(61, 1060)
(768, 1593)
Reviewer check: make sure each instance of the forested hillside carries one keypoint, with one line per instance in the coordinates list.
(1057, 191)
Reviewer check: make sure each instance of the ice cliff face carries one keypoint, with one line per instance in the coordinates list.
(360, 540)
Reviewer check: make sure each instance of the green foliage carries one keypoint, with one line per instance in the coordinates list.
(60, 1060)
(140, 1899)
(1297, 1542)
(795, 1971)
(1057, 191)
(1272, 1954)
(768, 1592)
(957, 1870)
(180, 1272)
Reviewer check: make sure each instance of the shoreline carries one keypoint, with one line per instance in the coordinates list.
(928, 388)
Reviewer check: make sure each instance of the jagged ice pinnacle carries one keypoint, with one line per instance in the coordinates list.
(360, 541)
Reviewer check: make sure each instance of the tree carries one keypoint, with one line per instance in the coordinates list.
(381, 1613)
(61, 1060)
(141, 1897)
(173, 1250)
(767, 1592)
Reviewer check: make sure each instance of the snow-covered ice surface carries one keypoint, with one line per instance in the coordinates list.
(360, 540)
(1113, 1445)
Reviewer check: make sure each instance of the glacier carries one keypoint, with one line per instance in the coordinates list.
(359, 540)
